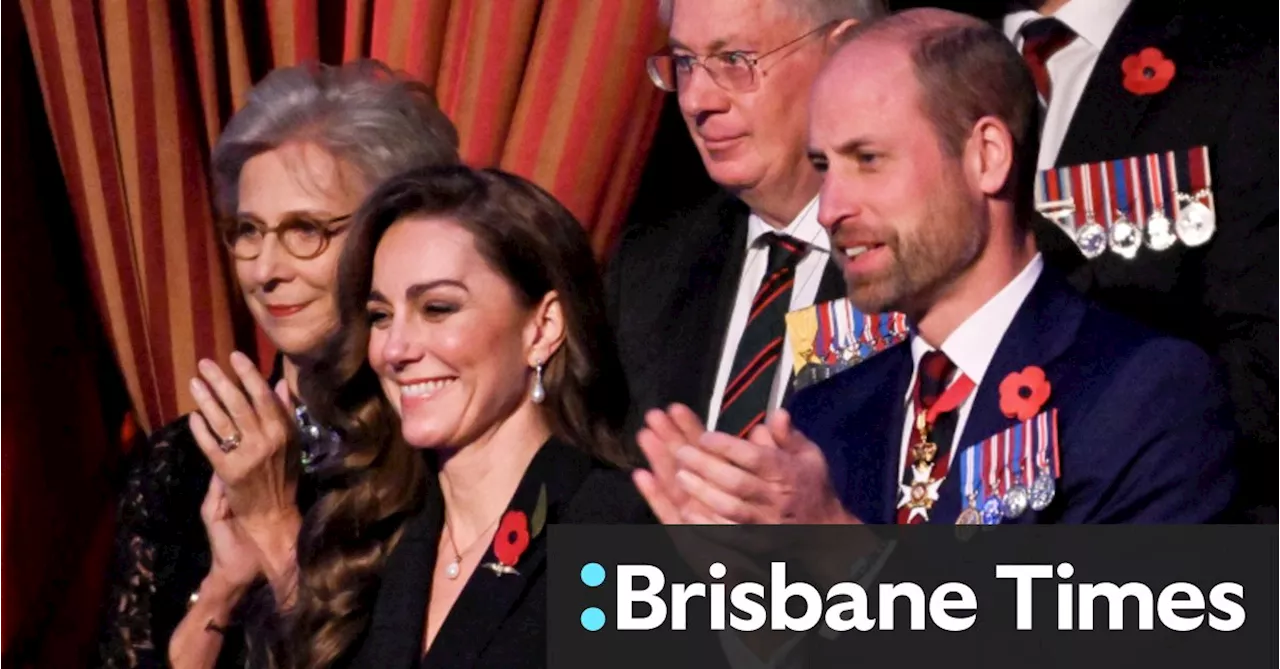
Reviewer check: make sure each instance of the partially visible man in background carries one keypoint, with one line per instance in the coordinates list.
(699, 299)
(1130, 78)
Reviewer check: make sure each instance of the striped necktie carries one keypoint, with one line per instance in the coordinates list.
(746, 396)
(1040, 40)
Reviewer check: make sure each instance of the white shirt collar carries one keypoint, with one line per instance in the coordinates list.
(972, 346)
(804, 227)
(1092, 20)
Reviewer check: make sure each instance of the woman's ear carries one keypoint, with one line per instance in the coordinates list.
(546, 330)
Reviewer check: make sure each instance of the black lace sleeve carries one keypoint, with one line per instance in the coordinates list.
(160, 553)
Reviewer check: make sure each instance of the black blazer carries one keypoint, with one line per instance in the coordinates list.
(671, 286)
(1221, 295)
(497, 621)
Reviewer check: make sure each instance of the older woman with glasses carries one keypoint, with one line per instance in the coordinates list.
(289, 170)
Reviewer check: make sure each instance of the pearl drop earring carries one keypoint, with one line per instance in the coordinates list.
(539, 392)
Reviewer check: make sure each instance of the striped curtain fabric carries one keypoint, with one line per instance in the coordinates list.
(137, 91)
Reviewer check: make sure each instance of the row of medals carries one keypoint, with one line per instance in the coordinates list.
(845, 358)
(1194, 226)
(1015, 502)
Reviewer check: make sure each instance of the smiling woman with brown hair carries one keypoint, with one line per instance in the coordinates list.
(481, 398)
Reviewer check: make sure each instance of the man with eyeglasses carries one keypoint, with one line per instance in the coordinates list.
(699, 300)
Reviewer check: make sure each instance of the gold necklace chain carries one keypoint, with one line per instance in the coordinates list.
(453, 568)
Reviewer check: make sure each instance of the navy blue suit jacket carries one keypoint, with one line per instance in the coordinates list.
(1145, 430)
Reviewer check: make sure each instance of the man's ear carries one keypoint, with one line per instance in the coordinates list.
(838, 35)
(989, 156)
(546, 331)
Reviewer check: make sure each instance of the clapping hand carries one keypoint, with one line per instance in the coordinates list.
(774, 476)
(236, 560)
(247, 436)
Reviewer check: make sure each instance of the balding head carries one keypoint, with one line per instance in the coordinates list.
(914, 25)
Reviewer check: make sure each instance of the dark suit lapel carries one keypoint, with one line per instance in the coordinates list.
(721, 262)
(832, 286)
(1042, 329)
(488, 598)
(1108, 114)
(895, 407)
(394, 638)
(864, 469)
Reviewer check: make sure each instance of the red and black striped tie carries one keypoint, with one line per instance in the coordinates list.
(1041, 39)
(746, 396)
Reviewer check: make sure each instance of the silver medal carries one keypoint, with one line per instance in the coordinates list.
(1195, 224)
(1042, 490)
(1126, 238)
(849, 356)
(1015, 501)
(1160, 235)
(992, 511)
(1092, 239)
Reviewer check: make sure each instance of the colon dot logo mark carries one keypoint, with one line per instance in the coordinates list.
(592, 576)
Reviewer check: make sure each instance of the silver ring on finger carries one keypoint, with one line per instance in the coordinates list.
(228, 444)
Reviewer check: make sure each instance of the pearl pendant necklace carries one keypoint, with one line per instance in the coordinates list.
(454, 568)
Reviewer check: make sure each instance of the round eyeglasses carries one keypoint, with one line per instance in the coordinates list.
(731, 70)
(303, 237)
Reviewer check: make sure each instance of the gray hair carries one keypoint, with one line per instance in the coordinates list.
(375, 121)
(818, 11)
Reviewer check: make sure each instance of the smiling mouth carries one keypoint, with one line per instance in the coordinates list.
(282, 310)
(420, 391)
(853, 252)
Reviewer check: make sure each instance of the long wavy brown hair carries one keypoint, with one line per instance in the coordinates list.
(377, 122)
(537, 245)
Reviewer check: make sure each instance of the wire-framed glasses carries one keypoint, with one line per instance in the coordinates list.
(731, 70)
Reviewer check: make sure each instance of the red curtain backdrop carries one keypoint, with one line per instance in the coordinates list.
(62, 398)
(135, 93)
(137, 90)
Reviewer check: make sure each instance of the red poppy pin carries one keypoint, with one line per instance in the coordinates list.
(1147, 72)
(514, 534)
(1022, 394)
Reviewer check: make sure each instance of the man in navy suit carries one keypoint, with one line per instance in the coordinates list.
(924, 125)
